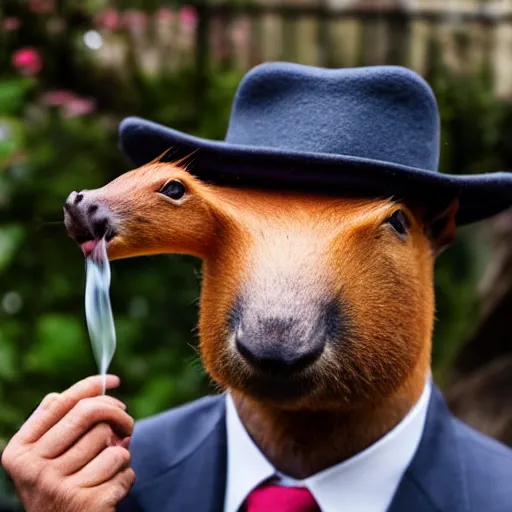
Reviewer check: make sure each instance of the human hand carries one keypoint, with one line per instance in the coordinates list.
(71, 455)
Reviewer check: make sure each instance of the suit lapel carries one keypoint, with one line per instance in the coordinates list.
(435, 480)
(197, 482)
(411, 497)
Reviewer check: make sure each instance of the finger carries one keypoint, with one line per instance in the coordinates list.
(125, 443)
(115, 490)
(111, 401)
(86, 449)
(56, 401)
(103, 468)
(55, 406)
(86, 413)
(44, 403)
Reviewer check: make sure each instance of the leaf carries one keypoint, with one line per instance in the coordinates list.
(12, 137)
(12, 95)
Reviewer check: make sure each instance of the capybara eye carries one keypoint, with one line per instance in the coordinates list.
(174, 189)
(399, 222)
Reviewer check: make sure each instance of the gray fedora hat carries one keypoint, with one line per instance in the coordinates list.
(361, 131)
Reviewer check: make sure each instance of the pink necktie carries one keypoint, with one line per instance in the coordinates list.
(273, 498)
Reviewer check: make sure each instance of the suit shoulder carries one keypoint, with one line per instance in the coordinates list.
(162, 441)
(488, 468)
(489, 451)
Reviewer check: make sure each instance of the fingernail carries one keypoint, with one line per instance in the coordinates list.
(125, 443)
(115, 401)
(118, 402)
(113, 381)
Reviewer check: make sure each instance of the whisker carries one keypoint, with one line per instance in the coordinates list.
(40, 224)
(195, 349)
(185, 162)
(50, 222)
(167, 152)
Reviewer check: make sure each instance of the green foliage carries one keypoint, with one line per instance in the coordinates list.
(475, 124)
(43, 340)
(13, 92)
(44, 155)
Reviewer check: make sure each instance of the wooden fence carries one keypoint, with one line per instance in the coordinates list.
(244, 35)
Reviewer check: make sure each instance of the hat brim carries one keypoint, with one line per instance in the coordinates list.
(480, 196)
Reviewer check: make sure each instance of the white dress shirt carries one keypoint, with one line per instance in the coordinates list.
(364, 483)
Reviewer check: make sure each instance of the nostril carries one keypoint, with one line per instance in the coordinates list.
(79, 198)
(246, 353)
(92, 209)
(103, 229)
(100, 227)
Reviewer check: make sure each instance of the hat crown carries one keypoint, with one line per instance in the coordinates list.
(385, 113)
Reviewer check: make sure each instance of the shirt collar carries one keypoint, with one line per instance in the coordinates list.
(380, 467)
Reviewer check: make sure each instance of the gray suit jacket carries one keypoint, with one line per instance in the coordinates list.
(180, 461)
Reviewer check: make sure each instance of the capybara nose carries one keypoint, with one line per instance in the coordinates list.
(276, 347)
(86, 220)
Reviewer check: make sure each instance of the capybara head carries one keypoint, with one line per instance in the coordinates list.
(308, 301)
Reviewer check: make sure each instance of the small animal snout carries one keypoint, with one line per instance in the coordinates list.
(86, 220)
(280, 346)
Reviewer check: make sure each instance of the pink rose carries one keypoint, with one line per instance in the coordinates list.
(57, 98)
(27, 61)
(108, 19)
(79, 107)
(135, 20)
(41, 6)
(72, 105)
(11, 24)
(188, 16)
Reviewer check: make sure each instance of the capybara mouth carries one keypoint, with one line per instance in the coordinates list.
(88, 244)
(279, 389)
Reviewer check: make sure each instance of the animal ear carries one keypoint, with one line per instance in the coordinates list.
(440, 228)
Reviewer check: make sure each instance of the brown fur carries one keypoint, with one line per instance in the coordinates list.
(293, 252)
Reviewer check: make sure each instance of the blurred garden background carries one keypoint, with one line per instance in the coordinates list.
(70, 70)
